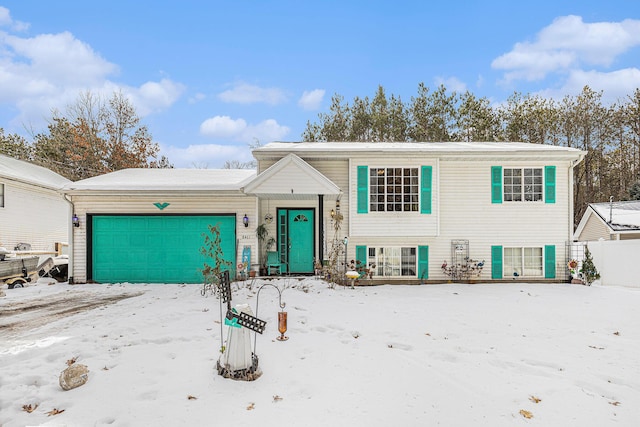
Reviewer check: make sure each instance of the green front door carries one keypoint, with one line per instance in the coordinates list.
(155, 249)
(298, 235)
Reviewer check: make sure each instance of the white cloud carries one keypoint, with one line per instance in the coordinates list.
(155, 96)
(225, 127)
(7, 21)
(615, 85)
(205, 156)
(48, 71)
(244, 93)
(197, 98)
(452, 84)
(311, 100)
(569, 43)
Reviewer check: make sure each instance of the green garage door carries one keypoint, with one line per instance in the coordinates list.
(155, 249)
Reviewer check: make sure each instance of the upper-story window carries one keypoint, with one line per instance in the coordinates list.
(1, 195)
(393, 189)
(522, 184)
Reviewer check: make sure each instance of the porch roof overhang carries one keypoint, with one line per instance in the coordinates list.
(292, 178)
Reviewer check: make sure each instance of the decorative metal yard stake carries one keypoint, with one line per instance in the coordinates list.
(236, 362)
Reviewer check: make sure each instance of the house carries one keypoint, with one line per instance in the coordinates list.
(410, 212)
(421, 211)
(610, 221)
(147, 225)
(34, 217)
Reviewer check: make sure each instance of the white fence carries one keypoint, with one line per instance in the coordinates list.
(617, 261)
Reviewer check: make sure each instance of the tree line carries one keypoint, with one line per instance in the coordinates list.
(91, 138)
(609, 133)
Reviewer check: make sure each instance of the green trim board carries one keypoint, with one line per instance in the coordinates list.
(155, 248)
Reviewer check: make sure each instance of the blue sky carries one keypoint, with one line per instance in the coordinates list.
(208, 78)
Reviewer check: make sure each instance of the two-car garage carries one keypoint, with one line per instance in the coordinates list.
(154, 248)
(148, 225)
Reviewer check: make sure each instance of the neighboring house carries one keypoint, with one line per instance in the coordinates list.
(147, 225)
(33, 214)
(406, 207)
(610, 221)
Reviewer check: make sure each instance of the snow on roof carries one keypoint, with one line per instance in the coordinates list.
(29, 173)
(166, 179)
(624, 216)
(449, 147)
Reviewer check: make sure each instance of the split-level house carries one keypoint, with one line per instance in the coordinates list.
(34, 217)
(409, 212)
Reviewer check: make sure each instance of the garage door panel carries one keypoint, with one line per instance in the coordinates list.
(155, 249)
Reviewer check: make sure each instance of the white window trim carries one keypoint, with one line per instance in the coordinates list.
(522, 261)
(522, 193)
(417, 193)
(374, 259)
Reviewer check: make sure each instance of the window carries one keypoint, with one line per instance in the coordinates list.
(393, 261)
(393, 189)
(523, 262)
(522, 184)
(1, 195)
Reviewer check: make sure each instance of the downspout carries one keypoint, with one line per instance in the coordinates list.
(71, 245)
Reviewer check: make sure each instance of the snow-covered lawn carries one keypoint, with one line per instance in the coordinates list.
(448, 355)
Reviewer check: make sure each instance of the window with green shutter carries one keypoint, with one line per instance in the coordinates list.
(425, 190)
(496, 262)
(496, 184)
(550, 184)
(550, 262)
(363, 189)
(423, 262)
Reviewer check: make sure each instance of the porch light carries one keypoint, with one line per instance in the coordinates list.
(333, 213)
(75, 220)
(245, 220)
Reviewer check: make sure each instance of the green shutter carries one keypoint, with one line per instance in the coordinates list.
(550, 184)
(361, 255)
(550, 262)
(496, 184)
(425, 190)
(496, 262)
(423, 262)
(363, 189)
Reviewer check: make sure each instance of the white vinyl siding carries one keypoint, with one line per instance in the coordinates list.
(33, 215)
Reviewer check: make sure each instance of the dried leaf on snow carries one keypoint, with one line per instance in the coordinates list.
(526, 414)
(277, 398)
(535, 399)
(616, 403)
(192, 397)
(55, 411)
(72, 361)
(29, 408)
(251, 406)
